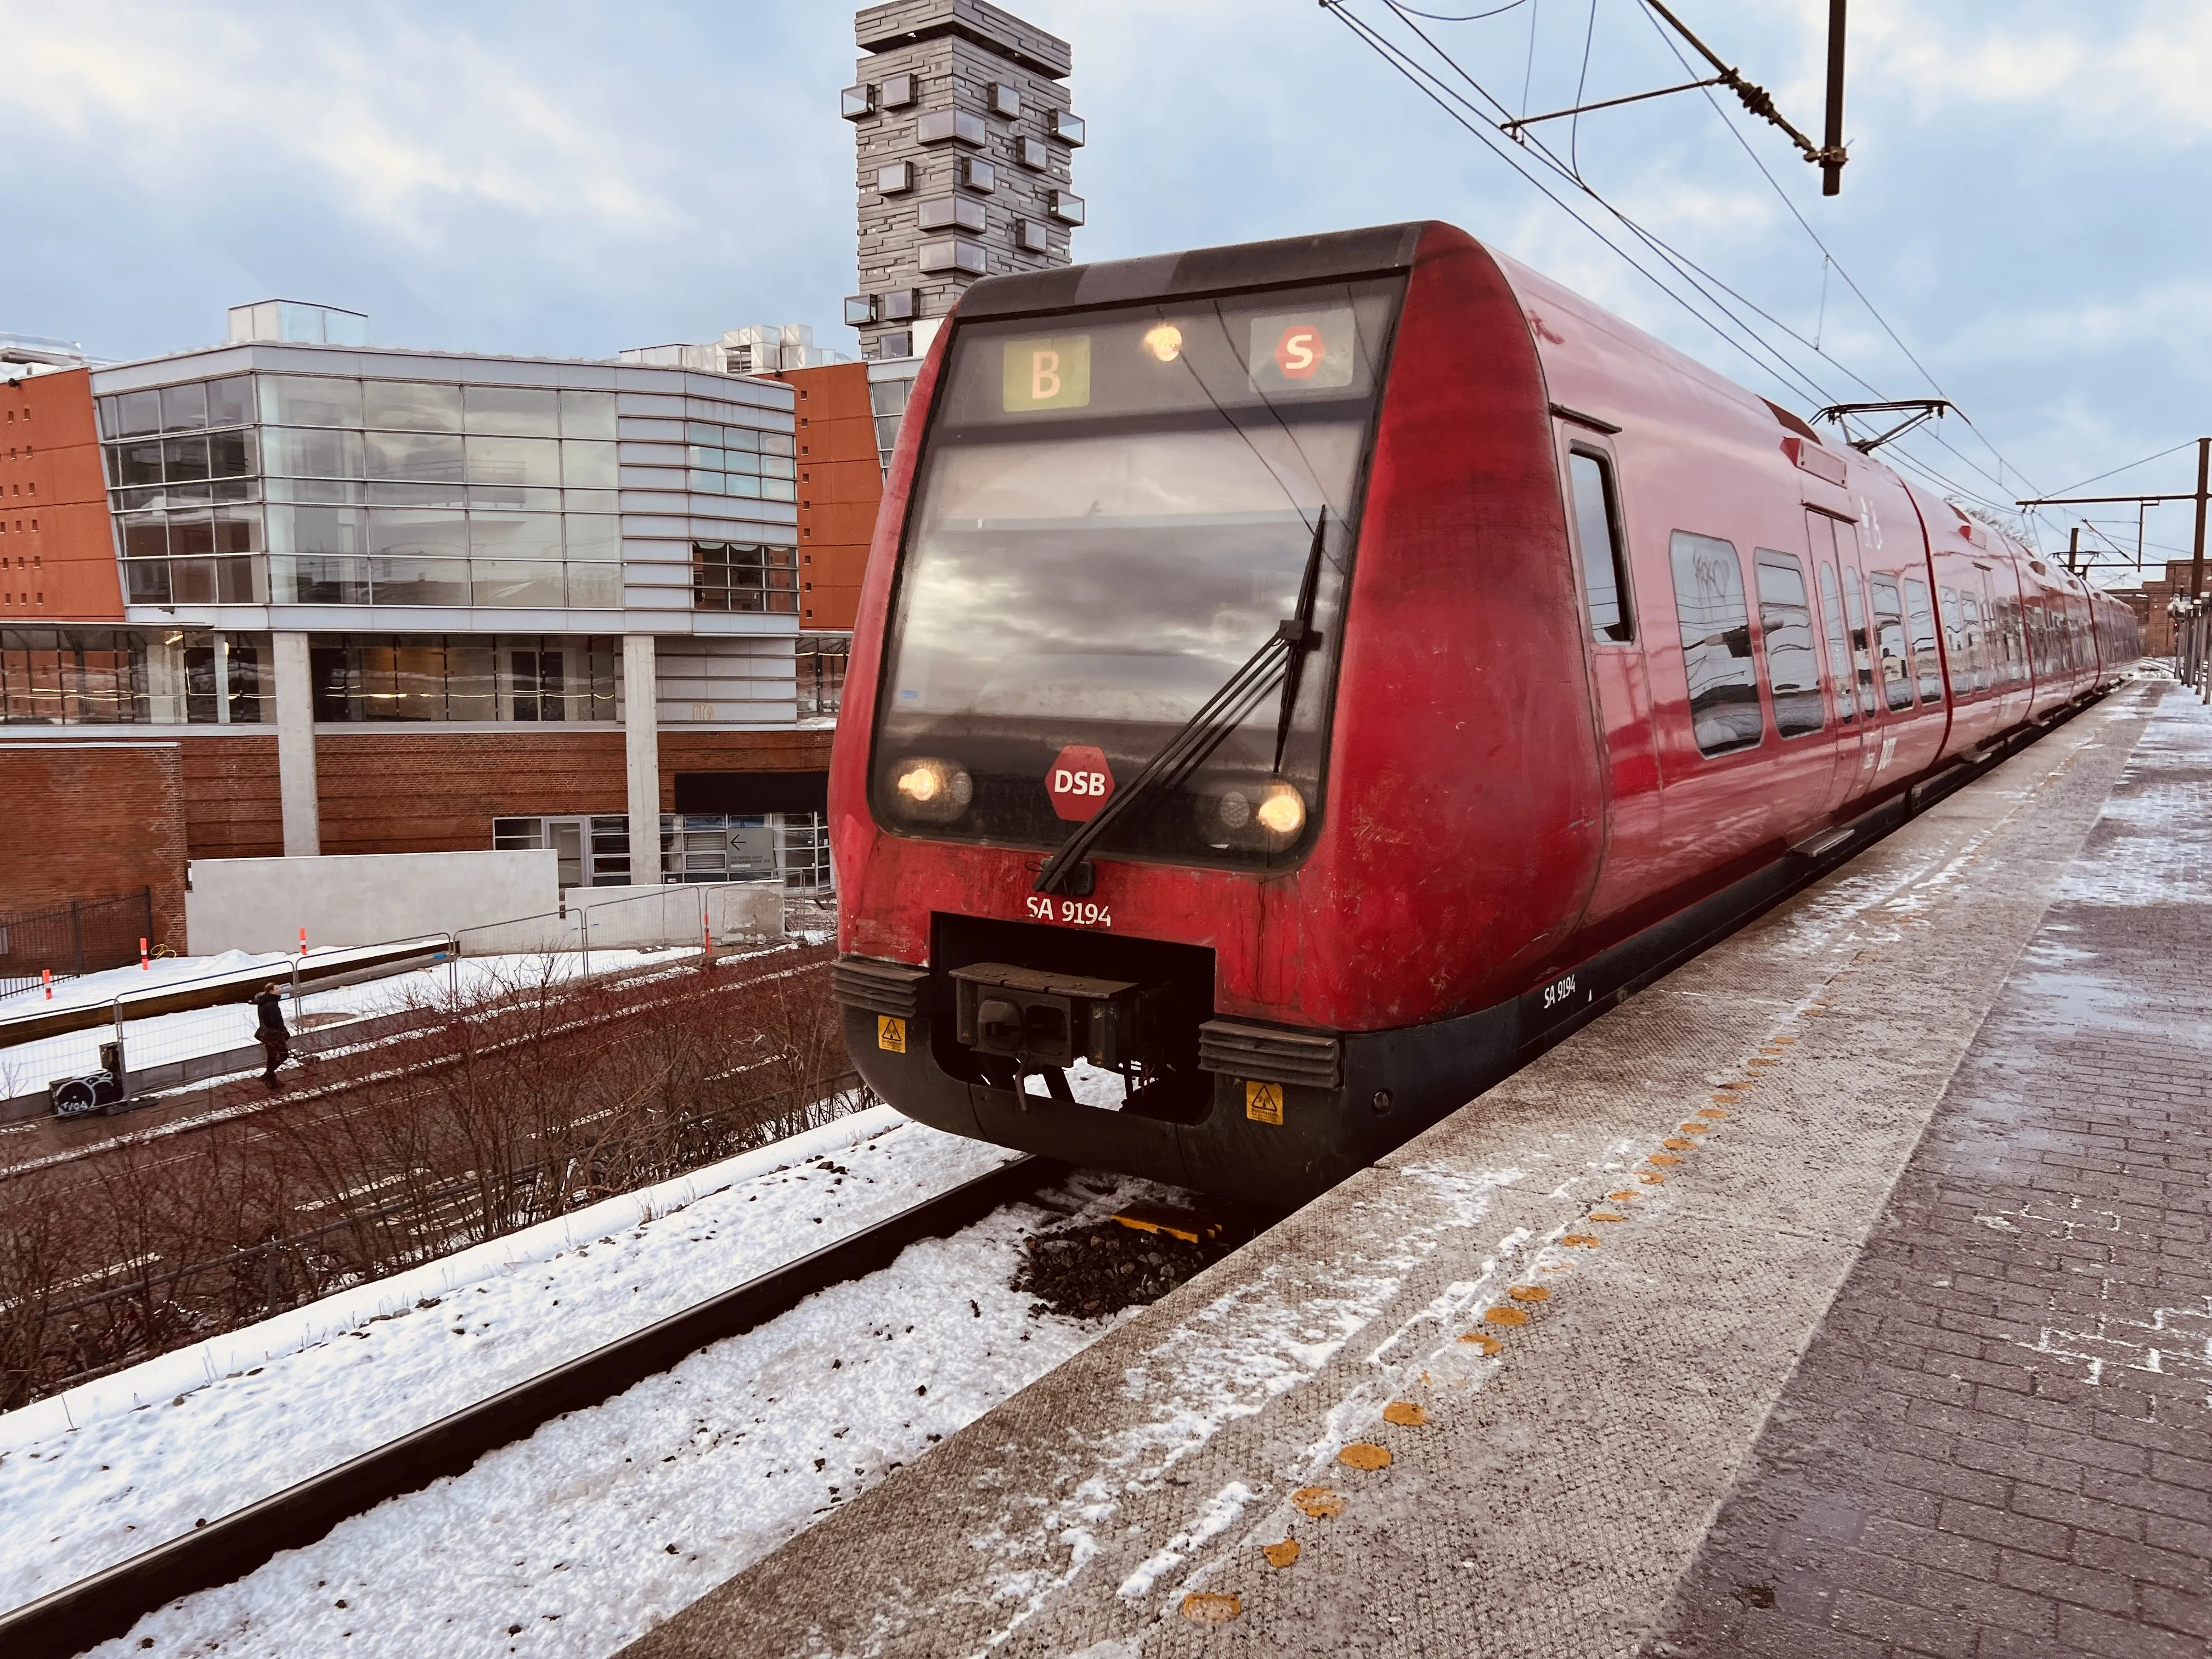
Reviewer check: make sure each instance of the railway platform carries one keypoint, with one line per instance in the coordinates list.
(1845, 1292)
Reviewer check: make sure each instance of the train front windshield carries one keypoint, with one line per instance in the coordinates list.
(1115, 510)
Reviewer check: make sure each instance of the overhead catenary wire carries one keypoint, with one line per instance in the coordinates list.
(1709, 308)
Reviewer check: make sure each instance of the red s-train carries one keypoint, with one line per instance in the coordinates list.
(1309, 678)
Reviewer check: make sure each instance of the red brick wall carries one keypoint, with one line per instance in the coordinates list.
(90, 821)
(56, 553)
(433, 792)
(840, 483)
(232, 808)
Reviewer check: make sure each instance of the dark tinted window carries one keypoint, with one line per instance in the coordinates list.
(1861, 642)
(1597, 527)
(1839, 649)
(1921, 614)
(1716, 643)
(1889, 641)
(1793, 670)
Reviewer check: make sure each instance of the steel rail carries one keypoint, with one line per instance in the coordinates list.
(108, 1603)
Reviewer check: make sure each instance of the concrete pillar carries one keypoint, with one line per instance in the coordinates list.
(295, 746)
(641, 753)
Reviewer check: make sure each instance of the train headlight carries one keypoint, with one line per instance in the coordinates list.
(932, 790)
(1281, 812)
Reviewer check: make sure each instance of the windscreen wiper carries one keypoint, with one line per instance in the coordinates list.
(1276, 662)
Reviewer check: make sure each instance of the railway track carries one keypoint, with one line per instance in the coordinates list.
(108, 1603)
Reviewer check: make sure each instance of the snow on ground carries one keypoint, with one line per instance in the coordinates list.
(72, 1502)
(26, 1067)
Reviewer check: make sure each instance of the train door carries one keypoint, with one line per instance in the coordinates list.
(1877, 744)
(1620, 678)
(1804, 766)
(1849, 710)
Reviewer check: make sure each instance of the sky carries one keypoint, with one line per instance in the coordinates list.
(2022, 208)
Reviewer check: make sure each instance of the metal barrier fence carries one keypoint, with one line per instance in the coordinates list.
(73, 939)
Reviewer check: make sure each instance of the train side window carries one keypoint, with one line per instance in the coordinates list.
(1977, 642)
(1861, 643)
(1889, 641)
(1955, 643)
(1597, 527)
(1709, 599)
(1839, 647)
(1920, 612)
(1785, 618)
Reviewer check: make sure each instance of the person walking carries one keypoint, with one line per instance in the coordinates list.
(270, 1032)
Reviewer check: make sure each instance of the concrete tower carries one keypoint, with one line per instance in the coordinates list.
(966, 147)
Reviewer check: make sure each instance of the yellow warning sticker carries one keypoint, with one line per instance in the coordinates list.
(891, 1034)
(1263, 1102)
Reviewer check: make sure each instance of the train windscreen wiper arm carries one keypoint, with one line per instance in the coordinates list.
(1276, 662)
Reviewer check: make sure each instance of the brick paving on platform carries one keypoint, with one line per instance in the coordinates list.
(1998, 1444)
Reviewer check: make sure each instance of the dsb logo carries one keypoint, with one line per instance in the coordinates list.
(1079, 782)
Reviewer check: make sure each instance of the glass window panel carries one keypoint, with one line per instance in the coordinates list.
(741, 438)
(145, 539)
(418, 532)
(431, 457)
(595, 538)
(599, 585)
(1889, 639)
(514, 461)
(185, 458)
(136, 413)
(236, 489)
(419, 581)
(1597, 528)
(588, 415)
(233, 455)
(514, 535)
(1785, 617)
(411, 406)
(230, 400)
(1715, 622)
(778, 489)
(711, 484)
(318, 580)
(193, 581)
(148, 581)
(237, 582)
(591, 501)
(778, 466)
(470, 691)
(298, 452)
(238, 530)
(137, 463)
(740, 485)
(417, 494)
(703, 432)
(1922, 615)
(587, 465)
(317, 530)
(111, 419)
(1832, 617)
(742, 462)
(330, 491)
(513, 411)
(776, 443)
(515, 498)
(191, 533)
(700, 455)
(517, 582)
(185, 495)
(133, 500)
(300, 400)
(183, 408)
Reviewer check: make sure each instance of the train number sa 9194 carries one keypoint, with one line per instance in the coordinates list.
(1074, 913)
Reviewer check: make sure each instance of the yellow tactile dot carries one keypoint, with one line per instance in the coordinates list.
(1694, 1128)
(1585, 1241)
(1405, 1413)
(1711, 1112)
(1623, 1197)
(1676, 1143)
(1650, 1178)
(1282, 1555)
(1663, 1158)
(1605, 1215)
(1360, 1454)
(1504, 1315)
(1203, 1607)
(1529, 1293)
(1782, 1043)
(1487, 1345)
(1320, 1503)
